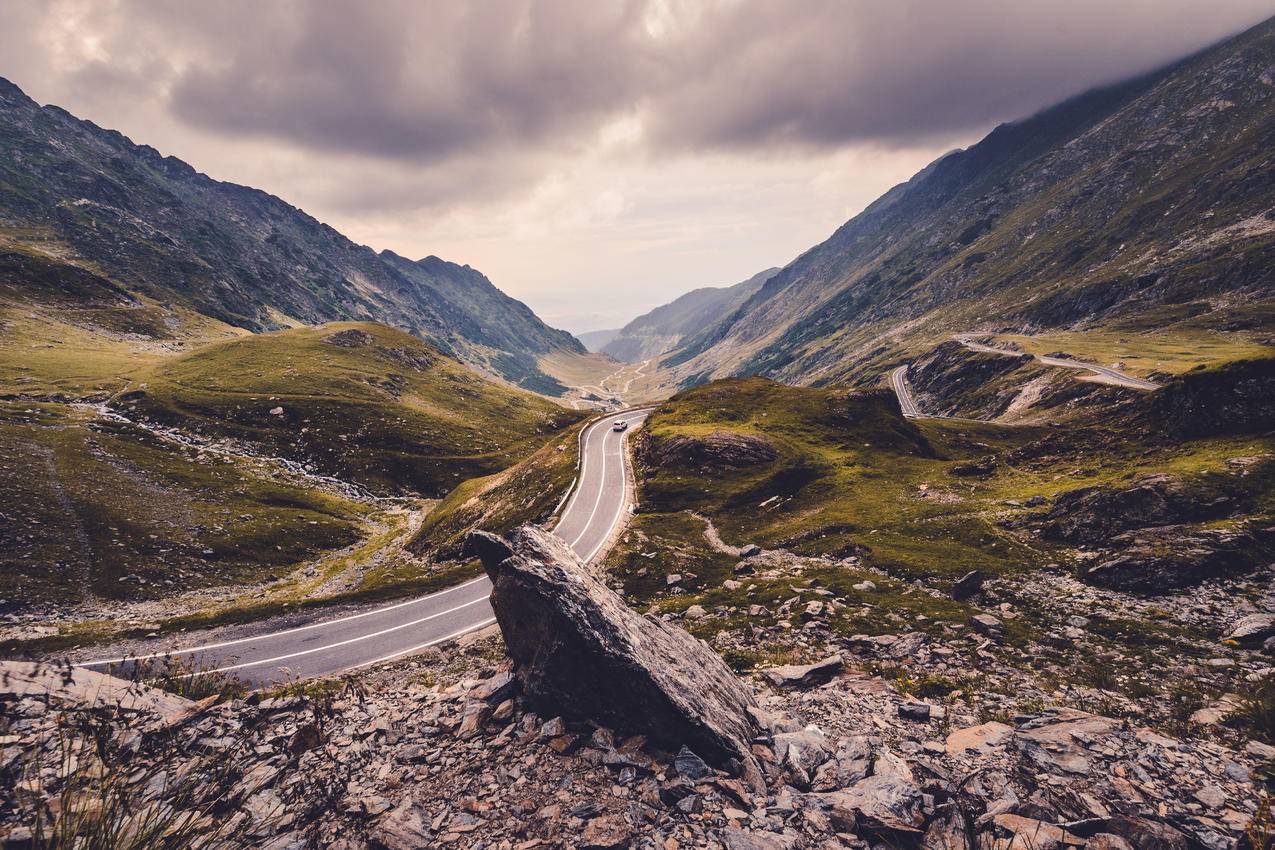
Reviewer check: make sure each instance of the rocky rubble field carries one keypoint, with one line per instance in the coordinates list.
(462, 747)
(441, 751)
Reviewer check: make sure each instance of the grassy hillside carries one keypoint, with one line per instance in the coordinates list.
(93, 509)
(868, 520)
(830, 471)
(143, 459)
(361, 402)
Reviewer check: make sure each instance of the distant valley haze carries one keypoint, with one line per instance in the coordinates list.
(593, 160)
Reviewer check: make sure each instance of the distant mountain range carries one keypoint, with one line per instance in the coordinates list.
(1149, 204)
(666, 327)
(597, 340)
(156, 227)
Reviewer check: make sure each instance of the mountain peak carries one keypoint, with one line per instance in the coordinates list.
(242, 255)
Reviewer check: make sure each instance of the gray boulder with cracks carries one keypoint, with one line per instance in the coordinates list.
(579, 651)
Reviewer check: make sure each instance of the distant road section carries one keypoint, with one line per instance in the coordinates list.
(1114, 376)
(899, 380)
(596, 511)
(899, 377)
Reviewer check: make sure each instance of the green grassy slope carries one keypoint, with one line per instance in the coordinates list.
(927, 500)
(94, 509)
(358, 401)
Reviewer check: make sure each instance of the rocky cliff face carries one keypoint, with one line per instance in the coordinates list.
(89, 196)
(1146, 204)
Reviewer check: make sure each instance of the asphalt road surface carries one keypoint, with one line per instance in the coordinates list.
(899, 380)
(597, 508)
(1114, 376)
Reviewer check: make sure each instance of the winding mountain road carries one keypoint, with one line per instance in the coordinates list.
(596, 511)
(899, 377)
(1114, 376)
(899, 380)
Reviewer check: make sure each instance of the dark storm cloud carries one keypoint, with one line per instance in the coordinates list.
(828, 72)
(420, 80)
(428, 81)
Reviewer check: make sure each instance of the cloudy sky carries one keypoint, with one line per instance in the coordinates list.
(595, 158)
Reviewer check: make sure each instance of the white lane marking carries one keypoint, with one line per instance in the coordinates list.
(425, 645)
(268, 635)
(611, 527)
(584, 468)
(602, 488)
(345, 642)
(624, 474)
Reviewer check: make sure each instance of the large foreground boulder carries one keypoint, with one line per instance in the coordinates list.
(580, 652)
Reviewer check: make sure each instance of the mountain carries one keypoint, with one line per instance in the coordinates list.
(1146, 205)
(90, 197)
(665, 327)
(597, 340)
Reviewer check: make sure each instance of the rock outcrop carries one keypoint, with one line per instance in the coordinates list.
(581, 653)
(716, 451)
(1154, 560)
(1090, 515)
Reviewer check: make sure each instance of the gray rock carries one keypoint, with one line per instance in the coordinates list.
(733, 838)
(947, 831)
(606, 832)
(804, 675)
(889, 799)
(496, 689)
(849, 764)
(691, 766)
(914, 711)
(750, 551)
(580, 651)
(988, 626)
(800, 753)
(967, 585)
(1253, 629)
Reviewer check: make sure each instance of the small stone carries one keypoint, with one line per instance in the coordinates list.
(914, 711)
(1211, 796)
(1257, 748)
(691, 766)
(606, 832)
(672, 793)
(1252, 629)
(696, 612)
(750, 551)
(988, 626)
(967, 585)
(864, 586)
(804, 675)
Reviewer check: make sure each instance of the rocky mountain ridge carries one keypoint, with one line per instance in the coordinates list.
(1146, 204)
(89, 197)
(668, 326)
